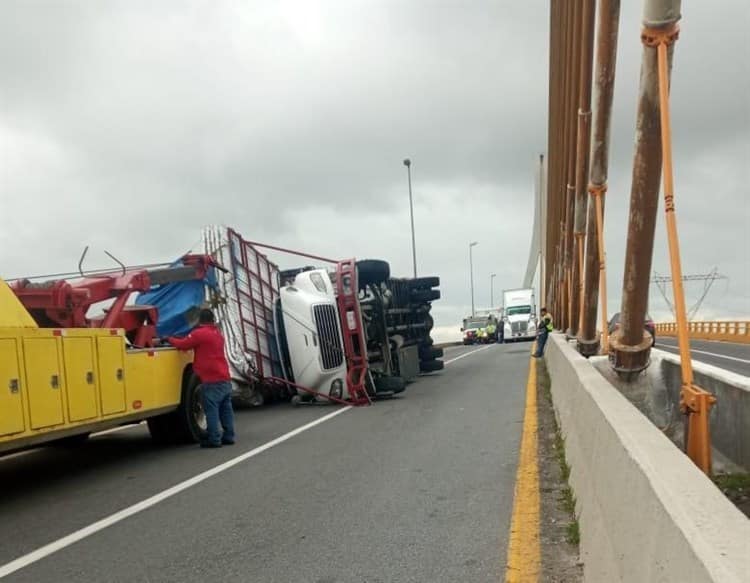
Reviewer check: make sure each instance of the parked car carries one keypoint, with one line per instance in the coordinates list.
(614, 324)
(471, 332)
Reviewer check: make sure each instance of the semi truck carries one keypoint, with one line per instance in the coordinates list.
(308, 334)
(347, 330)
(519, 314)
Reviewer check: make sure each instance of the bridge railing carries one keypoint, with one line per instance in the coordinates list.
(734, 331)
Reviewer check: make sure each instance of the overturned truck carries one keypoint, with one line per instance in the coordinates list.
(344, 332)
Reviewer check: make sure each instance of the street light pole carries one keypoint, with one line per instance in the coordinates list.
(471, 274)
(492, 290)
(407, 163)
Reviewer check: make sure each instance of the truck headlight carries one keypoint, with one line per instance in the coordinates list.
(337, 389)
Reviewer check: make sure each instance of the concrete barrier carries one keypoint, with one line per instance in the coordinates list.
(646, 513)
(730, 417)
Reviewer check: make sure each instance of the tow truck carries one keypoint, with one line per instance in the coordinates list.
(64, 375)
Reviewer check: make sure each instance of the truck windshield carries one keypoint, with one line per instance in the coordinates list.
(516, 310)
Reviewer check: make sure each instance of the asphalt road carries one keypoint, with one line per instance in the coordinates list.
(726, 355)
(418, 488)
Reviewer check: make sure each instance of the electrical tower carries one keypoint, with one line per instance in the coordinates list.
(708, 280)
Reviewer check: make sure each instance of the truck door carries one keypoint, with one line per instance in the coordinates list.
(80, 385)
(11, 405)
(111, 374)
(44, 382)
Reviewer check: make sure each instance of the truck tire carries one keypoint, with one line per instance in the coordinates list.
(424, 282)
(428, 323)
(431, 365)
(372, 272)
(430, 353)
(390, 385)
(191, 420)
(162, 429)
(425, 295)
(72, 440)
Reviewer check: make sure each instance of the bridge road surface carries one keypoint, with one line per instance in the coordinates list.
(727, 355)
(418, 488)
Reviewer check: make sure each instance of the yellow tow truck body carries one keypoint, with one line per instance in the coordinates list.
(61, 382)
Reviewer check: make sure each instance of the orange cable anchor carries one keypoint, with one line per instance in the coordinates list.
(580, 243)
(598, 191)
(694, 401)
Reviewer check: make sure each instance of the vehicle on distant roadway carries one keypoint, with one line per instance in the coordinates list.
(481, 329)
(648, 325)
(519, 320)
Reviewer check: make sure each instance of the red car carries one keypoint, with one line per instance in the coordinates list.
(648, 325)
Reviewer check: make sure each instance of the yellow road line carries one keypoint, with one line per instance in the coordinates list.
(524, 555)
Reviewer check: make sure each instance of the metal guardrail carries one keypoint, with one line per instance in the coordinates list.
(738, 331)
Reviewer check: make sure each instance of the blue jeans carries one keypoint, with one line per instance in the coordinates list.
(217, 404)
(541, 340)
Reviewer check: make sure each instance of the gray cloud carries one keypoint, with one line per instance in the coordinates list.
(128, 125)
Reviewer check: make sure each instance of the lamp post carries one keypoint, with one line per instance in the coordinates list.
(471, 274)
(407, 163)
(492, 290)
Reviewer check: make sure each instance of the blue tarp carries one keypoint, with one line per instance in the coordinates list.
(178, 303)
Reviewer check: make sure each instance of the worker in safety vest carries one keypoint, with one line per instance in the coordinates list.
(491, 333)
(545, 327)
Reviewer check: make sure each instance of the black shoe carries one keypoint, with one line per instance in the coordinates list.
(210, 445)
(227, 441)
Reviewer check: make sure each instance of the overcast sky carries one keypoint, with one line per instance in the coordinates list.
(128, 125)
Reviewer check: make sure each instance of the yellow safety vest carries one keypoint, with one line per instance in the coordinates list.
(547, 320)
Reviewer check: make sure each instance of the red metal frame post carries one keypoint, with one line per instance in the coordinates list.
(351, 323)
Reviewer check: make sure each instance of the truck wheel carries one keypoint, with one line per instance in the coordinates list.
(425, 295)
(372, 271)
(430, 353)
(162, 428)
(191, 419)
(72, 440)
(428, 323)
(390, 385)
(424, 282)
(431, 365)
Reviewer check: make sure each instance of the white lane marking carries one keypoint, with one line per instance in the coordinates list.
(87, 531)
(704, 352)
(464, 355)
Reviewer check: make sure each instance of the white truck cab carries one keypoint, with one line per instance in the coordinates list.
(519, 319)
(314, 352)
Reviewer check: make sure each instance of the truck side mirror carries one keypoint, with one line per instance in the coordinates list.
(462, 329)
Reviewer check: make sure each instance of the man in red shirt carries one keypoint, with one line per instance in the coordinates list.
(211, 367)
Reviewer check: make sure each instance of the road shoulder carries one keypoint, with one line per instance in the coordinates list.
(558, 525)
